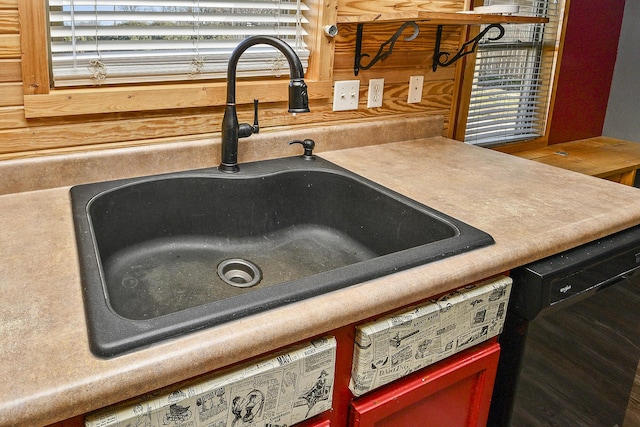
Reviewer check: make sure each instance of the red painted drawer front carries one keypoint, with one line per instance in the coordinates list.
(454, 392)
(321, 423)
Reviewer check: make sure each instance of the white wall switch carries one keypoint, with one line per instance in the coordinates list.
(345, 95)
(376, 89)
(415, 89)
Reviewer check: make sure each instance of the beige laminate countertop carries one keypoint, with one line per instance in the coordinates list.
(532, 210)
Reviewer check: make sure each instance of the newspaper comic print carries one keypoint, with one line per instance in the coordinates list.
(397, 345)
(275, 392)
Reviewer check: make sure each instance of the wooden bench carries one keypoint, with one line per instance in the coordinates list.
(609, 158)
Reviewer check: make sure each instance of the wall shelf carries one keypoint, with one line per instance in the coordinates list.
(409, 18)
(440, 18)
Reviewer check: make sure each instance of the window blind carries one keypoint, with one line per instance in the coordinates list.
(512, 79)
(131, 41)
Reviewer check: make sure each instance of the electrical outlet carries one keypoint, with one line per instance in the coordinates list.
(415, 89)
(376, 89)
(345, 95)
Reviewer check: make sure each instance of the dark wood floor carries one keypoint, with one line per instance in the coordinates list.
(632, 417)
(581, 361)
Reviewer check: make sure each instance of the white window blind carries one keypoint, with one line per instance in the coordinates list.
(512, 78)
(131, 41)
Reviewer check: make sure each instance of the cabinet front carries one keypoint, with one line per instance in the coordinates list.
(453, 392)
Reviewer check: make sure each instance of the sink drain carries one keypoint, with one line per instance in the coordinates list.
(239, 273)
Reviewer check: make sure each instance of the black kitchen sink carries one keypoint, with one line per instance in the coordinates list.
(169, 254)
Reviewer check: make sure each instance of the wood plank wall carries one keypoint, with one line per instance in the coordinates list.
(22, 137)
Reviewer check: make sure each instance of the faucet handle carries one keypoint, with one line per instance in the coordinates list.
(256, 125)
(245, 129)
(308, 145)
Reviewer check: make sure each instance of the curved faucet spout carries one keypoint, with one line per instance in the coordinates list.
(298, 98)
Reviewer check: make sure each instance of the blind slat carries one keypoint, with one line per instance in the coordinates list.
(171, 32)
(107, 19)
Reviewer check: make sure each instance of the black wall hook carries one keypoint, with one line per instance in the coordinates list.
(386, 48)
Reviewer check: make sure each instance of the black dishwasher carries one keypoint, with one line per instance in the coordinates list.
(571, 340)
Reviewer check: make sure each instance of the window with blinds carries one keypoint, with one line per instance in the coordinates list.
(513, 77)
(131, 41)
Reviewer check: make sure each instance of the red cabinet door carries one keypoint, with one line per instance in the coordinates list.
(454, 392)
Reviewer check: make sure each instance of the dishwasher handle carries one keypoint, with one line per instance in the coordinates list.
(632, 274)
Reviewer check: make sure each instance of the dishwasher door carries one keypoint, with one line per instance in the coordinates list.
(571, 340)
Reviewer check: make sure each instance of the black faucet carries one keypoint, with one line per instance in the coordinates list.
(231, 130)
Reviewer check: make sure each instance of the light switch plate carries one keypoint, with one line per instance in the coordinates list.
(345, 95)
(415, 89)
(376, 89)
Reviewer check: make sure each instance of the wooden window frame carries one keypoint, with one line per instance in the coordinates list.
(41, 100)
(461, 111)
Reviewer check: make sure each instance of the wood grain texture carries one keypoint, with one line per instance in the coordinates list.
(12, 118)
(70, 102)
(407, 58)
(368, 8)
(9, 46)
(55, 120)
(9, 22)
(602, 157)
(11, 94)
(10, 71)
(34, 45)
(8, 4)
(442, 18)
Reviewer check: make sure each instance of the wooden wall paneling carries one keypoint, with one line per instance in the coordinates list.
(37, 137)
(35, 50)
(9, 31)
(9, 21)
(407, 57)
(10, 70)
(8, 4)
(11, 109)
(70, 102)
(9, 46)
(11, 94)
(12, 118)
(136, 129)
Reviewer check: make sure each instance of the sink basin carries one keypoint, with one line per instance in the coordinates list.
(166, 255)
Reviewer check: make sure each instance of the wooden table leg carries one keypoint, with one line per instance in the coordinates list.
(628, 178)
